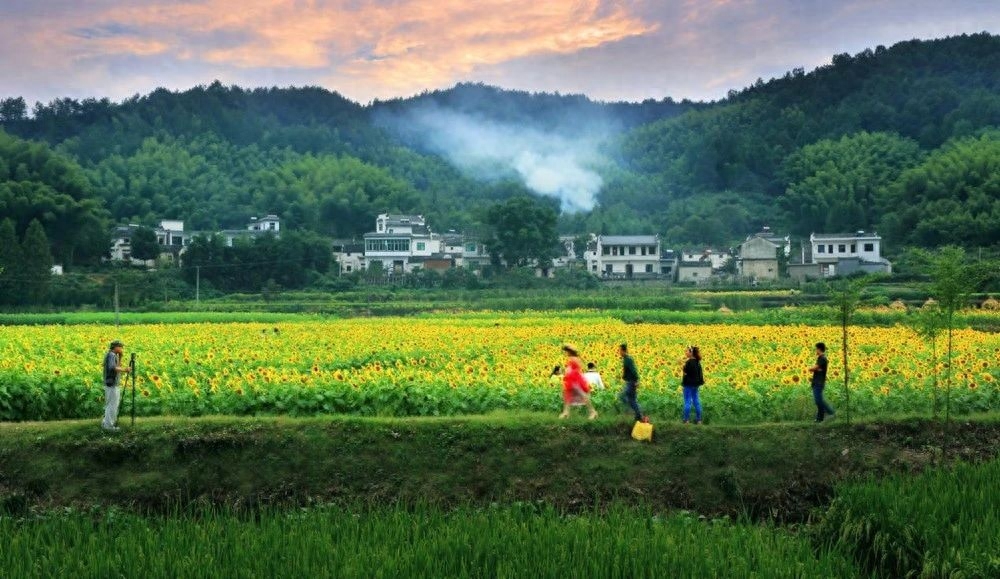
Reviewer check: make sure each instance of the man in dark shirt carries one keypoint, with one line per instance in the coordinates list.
(819, 382)
(631, 378)
(113, 370)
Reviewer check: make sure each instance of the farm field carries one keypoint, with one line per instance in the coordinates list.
(476, 363)
(516, 541)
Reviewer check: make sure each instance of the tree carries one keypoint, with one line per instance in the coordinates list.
(13, 110)
(846, 295)
(952, 281)
(523, 232)
(928, 324)
(10, 261)
(36, 263)
(144, 244)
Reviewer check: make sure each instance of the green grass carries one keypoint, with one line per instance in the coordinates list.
(943, 523)
(512, 541)
(765, 471)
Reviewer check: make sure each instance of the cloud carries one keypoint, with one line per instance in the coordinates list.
(609, 49)
(389, 46)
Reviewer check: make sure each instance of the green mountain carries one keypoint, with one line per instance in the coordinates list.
(902, 139)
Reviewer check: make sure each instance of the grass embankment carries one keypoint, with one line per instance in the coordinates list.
(516, 541)
(766, 471)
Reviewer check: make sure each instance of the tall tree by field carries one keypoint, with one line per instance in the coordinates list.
(845, 295)
(928, 323)
(10, 262)
(952, 282)
(523, 232)
(144, 244)
(36, 263)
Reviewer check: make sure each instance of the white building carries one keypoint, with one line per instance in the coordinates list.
(170, 235)
(718, 258)
(845, 253)
(269, 224)
(400, 243)
(625, 256)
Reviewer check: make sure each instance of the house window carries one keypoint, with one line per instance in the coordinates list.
(649, 268)
(396, 245)
(869, 247)
(421, 246)
(842, 248)
(820, 249)
(631, 250)
(605, 250)
(694, 274)
(854, 248)
(348, 269)
(594, 267)
(607, 269)
(665, 270)
(829, 248)
(643, 250)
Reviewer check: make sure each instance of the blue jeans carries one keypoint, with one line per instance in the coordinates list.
(822, 408)
(628, 398)
(691, 399)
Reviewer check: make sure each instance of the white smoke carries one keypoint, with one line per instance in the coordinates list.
(553, 164)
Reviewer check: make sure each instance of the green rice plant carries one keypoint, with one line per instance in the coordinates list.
(526, 540)
(943, 523)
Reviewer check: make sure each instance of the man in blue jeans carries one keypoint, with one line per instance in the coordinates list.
(819, 382)
(631, 377)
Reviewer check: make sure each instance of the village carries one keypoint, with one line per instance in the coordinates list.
(405, 244)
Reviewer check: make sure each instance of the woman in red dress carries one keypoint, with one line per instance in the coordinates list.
(575, 388)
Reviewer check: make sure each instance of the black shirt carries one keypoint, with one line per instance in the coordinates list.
(111, 369)
(819, 376)
(629, 373)
(692, 373)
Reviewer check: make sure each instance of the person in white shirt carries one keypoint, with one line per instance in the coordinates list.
(593, 377)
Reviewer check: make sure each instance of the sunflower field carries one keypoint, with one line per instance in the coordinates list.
(449, 365)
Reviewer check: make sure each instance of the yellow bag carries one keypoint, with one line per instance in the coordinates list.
(643, 431)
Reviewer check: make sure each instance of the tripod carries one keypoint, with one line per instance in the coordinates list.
(131, 366)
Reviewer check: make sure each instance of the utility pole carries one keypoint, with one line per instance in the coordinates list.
(197, 284)
(116, 304)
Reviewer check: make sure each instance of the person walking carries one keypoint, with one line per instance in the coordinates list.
(629, 394)
(693, 378)
(593, 377)
(576, 391)
(113, 370)
(819, 383)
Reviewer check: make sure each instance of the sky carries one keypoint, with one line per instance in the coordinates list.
(372, 49)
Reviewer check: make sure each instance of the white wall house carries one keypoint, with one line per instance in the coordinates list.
(267, 223)
(626, 256)
(170, 235)
(400, 243)
(845, 253)
(718, 258)
(270, 224)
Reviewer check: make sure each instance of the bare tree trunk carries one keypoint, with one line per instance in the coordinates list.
(937, 401)
(847, 389)
(947, 393)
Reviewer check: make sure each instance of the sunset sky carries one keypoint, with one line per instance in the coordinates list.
(369, 49)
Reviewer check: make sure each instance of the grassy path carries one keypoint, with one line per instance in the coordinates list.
(767, 471)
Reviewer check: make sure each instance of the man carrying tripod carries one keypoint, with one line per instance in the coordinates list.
(113, 370)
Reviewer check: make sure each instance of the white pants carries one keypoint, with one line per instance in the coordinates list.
(112, 397)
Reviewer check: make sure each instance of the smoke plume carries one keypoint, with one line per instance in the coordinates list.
(557, 163)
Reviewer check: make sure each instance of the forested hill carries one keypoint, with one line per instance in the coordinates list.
(903, 139)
